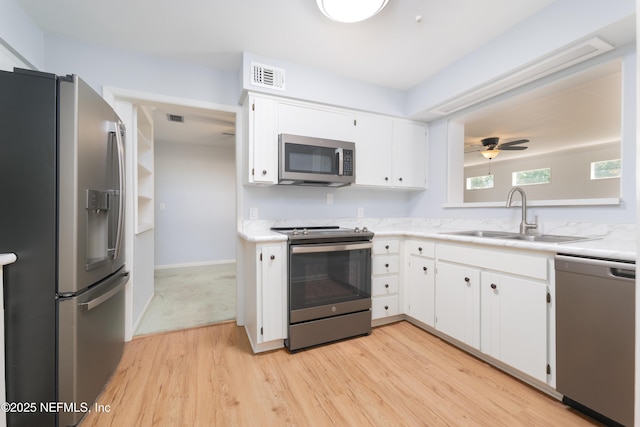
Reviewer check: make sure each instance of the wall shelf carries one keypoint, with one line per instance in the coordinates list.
(144, 186)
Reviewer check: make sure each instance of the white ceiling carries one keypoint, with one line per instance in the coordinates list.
(391, 49)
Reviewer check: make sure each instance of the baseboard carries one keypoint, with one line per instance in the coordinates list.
(194, 264)
(139, 319)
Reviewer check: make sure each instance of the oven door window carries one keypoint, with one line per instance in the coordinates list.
(329, 277)
(310, 159)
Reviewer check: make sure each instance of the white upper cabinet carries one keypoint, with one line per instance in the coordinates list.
(315, 122)
(262, 141)
(409, 155)
(373, 148)
(390, 153)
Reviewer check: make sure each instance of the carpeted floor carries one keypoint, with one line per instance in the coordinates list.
(190, 296)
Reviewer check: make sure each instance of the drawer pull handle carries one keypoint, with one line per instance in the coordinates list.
(386, 285)
(386, 307)
(466, 279)
(424, 268)
(387, 247)
(493, 286)
(386, 265)
(272, 257)
(419, 249)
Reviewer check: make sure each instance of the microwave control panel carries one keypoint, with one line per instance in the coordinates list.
(347, 162)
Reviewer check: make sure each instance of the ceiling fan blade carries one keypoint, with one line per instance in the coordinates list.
(508, 148)
(510, 143)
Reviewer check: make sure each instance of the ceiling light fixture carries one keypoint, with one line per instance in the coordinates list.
(490, 154)
(349, 11)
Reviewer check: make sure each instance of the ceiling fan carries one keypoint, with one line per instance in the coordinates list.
(491, 148)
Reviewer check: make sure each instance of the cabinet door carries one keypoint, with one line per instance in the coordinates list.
(420, 289)
(458, 302)
(514, 322)
(315, 122)
(263, 141)
(409, 155)
(272, 288)
(374, 136)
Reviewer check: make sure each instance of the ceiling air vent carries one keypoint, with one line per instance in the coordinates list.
(267, 76)
(535, 70)
(175, 118)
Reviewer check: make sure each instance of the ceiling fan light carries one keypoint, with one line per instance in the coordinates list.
(490, 154)
(349, 11)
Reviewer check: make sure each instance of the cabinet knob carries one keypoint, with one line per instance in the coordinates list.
(386, 285)
(272, 257)
(386, 307)
(387, 247)
(493, 286)
(386, 178)
(264, 172)
(386, 265)
(466, 279)
(424, 268)
(419, 249)
(400, 179)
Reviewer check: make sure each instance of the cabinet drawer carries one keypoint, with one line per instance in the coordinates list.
(384, 285)
(384, 306)
(385, 246)
(421, 248)
(385, 264)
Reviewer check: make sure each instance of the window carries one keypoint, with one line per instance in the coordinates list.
(605, 169)
(479, 182)
(532, 177)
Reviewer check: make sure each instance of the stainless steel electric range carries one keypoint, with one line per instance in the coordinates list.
(329, 284)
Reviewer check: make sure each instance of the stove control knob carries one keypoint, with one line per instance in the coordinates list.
(305, 232)
(357, 230)
(295, 232)
(365, 229)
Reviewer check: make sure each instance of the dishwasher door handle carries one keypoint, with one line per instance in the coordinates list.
(596, 267)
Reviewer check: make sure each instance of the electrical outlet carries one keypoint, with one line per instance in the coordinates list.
(360, 212)
(329, 198)
(253, 213)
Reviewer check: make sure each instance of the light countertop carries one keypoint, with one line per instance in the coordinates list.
(7, 259)
(608, 240)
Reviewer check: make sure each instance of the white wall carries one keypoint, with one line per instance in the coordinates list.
(570, 175)
(101, 66)
(196, 184)
(21, 35)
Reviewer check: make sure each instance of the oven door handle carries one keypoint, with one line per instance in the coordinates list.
(308, 249)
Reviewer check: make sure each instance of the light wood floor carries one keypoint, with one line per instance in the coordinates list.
(397, 376)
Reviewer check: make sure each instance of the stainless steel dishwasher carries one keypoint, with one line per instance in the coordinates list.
(595, 335)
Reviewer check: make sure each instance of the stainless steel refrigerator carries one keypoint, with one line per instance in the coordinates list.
(62, 213)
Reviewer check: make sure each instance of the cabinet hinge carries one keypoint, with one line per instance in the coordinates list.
(261, 331)
(355, 122)
(253, 172)
(253, 107)
(548, 369)
(548, 297)
(260, 257)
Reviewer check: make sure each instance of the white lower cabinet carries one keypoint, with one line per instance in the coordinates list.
(457, 306)
(265, 294)
(419, 289)
(514, 322)
(385, 278)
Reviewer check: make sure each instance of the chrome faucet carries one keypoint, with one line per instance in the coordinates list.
(524, 225)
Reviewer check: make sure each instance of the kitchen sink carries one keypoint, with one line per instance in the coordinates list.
(542, 238)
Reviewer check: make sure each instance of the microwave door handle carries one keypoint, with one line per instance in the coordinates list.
(339, 159)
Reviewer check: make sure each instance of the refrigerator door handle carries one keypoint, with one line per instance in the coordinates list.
(122, 191)
(106, 296)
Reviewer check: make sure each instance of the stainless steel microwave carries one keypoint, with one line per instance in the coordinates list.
(306, 160)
